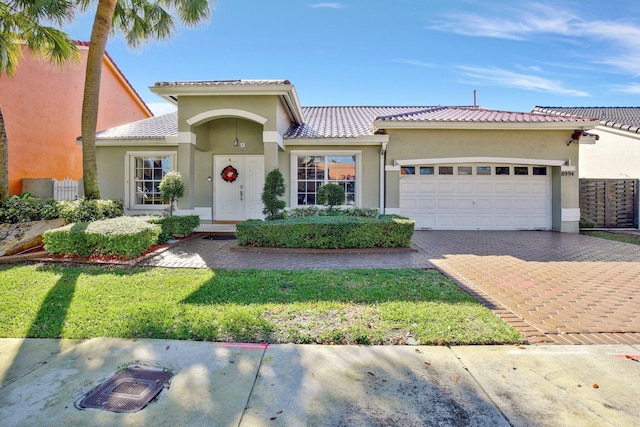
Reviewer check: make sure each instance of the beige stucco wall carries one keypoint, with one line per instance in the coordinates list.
(111, 167)
(513, 144)
(615, 156)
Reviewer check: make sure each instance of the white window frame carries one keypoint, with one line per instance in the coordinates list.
(293, 182)
(129, 176)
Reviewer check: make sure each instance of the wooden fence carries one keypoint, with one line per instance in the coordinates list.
(611, 203)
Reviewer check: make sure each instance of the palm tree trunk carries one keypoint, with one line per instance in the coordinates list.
(91, 101)
(4, 160)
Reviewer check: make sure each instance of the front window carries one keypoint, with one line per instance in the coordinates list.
(148, 172)
(313, 171)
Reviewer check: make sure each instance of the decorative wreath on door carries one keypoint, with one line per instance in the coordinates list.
(229, 174)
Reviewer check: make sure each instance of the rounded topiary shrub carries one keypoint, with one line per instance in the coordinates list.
(171, 188)
(330, 195)
(273, 189)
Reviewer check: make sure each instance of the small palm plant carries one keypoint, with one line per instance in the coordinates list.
(171, 189)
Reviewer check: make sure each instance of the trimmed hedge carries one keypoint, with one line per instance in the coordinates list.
(315, 211)
(177, 225)
(85, 210)
(124, 236)
(15, 210)
(27, 209)
(328, 232)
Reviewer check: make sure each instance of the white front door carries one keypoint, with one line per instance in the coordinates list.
(238, 197)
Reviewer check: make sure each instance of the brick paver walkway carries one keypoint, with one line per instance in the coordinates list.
(554, 287)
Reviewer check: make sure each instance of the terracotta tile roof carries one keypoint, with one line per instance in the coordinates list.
(347, 122)
(475, 114)
(224, 83)
(158, 127)
(342, 122)
(624, 118)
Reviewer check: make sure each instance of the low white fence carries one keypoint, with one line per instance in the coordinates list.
(67, 189)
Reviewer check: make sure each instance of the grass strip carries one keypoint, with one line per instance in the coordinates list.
(324, 306)
(616, 236)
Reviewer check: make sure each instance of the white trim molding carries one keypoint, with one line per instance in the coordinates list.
(273, 136)
(222, 113)
(450, 160)
(186, 138)
(570, 214)
(293, 179)
(129, 174)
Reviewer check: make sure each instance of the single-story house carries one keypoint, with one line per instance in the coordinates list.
(458, 168)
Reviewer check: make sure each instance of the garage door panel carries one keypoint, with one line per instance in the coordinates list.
(501, 188)
(483, 204)
(466, 188)
(464, 204)
(473, 202)
(427, 204)
(484, 188)
(503, 204)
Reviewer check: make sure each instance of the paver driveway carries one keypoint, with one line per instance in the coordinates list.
(555, 287)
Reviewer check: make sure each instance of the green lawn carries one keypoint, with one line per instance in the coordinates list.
(618, 237)
(339, 306)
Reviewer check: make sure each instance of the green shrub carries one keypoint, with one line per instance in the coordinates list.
(327, 232)
(171, 189)
(587, 222)
(303, 212)
(330, 195)
(361, 212)
(124, 236)
(86, 210)
(315, 211)
(176, 225)
(273, 189)
(26, 209)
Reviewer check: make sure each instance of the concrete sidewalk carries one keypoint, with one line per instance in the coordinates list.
(218, 384)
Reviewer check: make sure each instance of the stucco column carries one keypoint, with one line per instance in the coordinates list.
(186, 164)
(272, 141)
(392, 189)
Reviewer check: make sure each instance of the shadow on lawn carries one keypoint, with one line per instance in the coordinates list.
(361, 287)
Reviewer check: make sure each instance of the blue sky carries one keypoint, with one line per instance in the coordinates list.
(516, 54)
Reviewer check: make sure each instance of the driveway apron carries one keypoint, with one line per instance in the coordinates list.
(554, 287)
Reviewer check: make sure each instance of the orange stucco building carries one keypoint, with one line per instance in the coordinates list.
(42, 107)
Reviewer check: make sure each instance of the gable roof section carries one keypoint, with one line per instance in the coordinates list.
(478, 118)
(159, 127)
(342, 122)
(281, 88)
(623, 118)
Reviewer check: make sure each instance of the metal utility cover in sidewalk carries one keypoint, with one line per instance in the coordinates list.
(127, 391)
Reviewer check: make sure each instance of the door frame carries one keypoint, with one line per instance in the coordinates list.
(217, 181)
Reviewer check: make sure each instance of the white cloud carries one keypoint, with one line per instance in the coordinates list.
(541, 19)
(500, 77)
(160, 108)
(327, 5)
(621, 38)
(632, 88)
(413, 62)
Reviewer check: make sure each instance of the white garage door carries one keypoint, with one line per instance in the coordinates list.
(477, 197)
